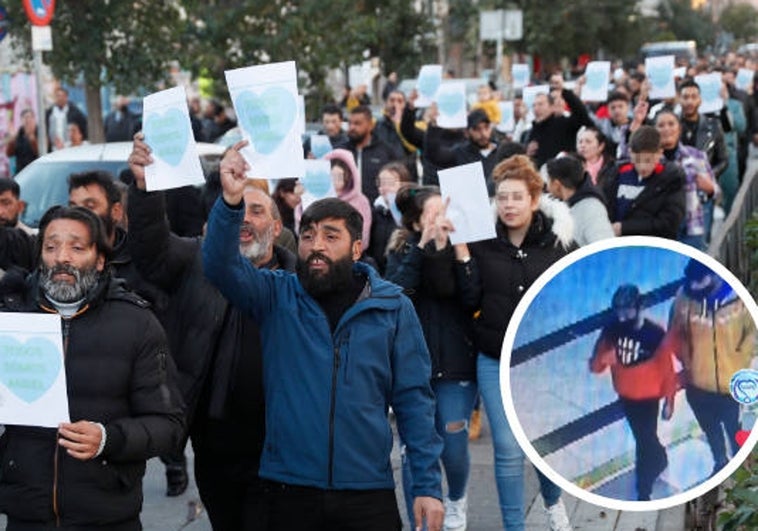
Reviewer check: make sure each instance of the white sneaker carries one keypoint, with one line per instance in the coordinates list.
(558, 518)
(455, 514)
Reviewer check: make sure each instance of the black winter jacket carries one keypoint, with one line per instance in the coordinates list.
(217, 349)
(660, 207)
(118, 373)
(432, 280)
(505, 272)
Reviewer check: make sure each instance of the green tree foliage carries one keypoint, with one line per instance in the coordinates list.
(741, 20)
(224, 34)
(127, 44)
(678, 17)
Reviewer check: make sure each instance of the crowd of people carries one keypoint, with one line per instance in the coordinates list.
(278, 342)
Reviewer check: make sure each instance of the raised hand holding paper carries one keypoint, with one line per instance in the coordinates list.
(531, 92)
(744, 78)
(660, 72)
(507, 121)
(469, 209)
(168, 132)
(32, 376)
(451, 103)
(320, 146)
(317, 181)
(520, 74)
(266, 102)
(429, 81)
(710, 88)
(598, 75)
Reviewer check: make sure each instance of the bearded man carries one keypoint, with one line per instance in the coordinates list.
(123, 405)
(340, 346)
(217, 348)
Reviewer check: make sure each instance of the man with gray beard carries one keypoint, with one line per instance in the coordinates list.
(217, 348)
(123, 402)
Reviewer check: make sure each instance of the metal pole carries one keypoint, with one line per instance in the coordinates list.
(41, 125)
(499, 60)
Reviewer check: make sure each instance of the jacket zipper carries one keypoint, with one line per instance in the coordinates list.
(332, 407)
(66, 327)
(715, 350)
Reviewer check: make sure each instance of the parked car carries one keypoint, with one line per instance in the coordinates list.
(44, 182)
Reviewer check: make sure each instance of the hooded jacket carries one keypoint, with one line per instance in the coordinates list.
(504, 272)
(354, 196)
(328, 393)
(590, 216)
(713, 336)
(118, 373)
(659, 208)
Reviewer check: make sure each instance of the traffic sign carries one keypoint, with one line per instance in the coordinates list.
(39, 12)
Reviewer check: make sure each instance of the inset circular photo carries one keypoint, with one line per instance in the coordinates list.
(629, 373)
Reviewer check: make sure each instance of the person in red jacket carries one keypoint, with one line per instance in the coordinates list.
(628, 345)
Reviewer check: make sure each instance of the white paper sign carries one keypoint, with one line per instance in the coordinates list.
(168, 132)
(597, 74)
(451, 104)
(427, 84)
(710, 92)
(507, 120)
(680, 72)
(317, 181)
(32, 371)
(520, 74)
(660, 73)
(744, 78)
(469, 209)
(531, 92)
(320, 146)
(265, 100)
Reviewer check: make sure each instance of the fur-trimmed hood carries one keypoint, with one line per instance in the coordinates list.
(558, 215)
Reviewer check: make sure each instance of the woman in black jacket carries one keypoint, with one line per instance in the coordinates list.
(532, 233)
(422, 261)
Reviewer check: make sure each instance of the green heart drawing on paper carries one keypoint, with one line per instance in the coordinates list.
(167, 135)
(29, 369)
(660, 76)
(267, 117)
(317, 180)
(451, 103)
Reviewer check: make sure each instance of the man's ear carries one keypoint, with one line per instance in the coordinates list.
(100, 264)
(117, 212)
(357, 250)
(21, 207)
(277, 228)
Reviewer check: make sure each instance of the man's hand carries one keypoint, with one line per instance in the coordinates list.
(80, 439)
(531, 148)
(429, 509)
(640, 115)
(138, 159)
(233, 170)
(616, 228)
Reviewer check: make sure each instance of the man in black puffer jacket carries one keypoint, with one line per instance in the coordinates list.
(123, 403)
(217, 349)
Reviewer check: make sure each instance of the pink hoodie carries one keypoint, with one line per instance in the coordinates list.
(354, 196)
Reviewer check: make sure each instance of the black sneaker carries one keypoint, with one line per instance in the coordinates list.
(176, 480)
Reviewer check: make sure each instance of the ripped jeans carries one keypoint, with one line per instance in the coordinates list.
(455, 402)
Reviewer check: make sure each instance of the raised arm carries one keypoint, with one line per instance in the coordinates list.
(245, 286)
(160, 256)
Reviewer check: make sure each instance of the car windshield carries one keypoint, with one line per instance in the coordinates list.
(46, 184)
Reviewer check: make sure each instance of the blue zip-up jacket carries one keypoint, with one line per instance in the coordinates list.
(327, 394)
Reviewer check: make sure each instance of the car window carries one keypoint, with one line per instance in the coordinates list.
(46, 184)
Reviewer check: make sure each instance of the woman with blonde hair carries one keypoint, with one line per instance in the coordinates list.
(533, 231)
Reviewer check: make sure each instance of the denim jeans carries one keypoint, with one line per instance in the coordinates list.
(509, 458)
(716, 414)
(455, 402)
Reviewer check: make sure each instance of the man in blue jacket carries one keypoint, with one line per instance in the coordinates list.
(340, 346)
